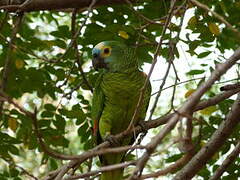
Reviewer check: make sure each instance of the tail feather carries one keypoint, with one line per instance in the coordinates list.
(112, 175)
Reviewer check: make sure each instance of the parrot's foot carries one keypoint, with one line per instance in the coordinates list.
(143, 125)
(112, 140)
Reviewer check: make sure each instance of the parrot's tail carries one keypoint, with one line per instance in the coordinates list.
(112, 175)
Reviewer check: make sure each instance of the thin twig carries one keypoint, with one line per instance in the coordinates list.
(8, 61)
(160, 89)
(6, 98)
(156, 54)
(24, 5)
(219, 17)
(141, 15)
(79, 60)
(78, 31)
(24, 171)
(101, 170)
(11, 162)
(27, 51)
(183, 82)
(176, 76)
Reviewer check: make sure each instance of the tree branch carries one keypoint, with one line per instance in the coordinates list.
(75, 44)
(37, 5)
(96, 151)
(102, 169)
(187, 108)
(8, 60)
(229, 159)
(213, 145)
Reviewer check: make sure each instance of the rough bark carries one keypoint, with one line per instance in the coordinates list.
(216, 141)
(36, 5)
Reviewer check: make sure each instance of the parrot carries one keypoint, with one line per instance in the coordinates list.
(115, 97)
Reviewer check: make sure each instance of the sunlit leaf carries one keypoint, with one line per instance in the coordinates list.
(195, 72)
(192, 21)
(12, 124)
(214, 29)
(209, 110)
(189, 92)
(123, 34)
(19, 63)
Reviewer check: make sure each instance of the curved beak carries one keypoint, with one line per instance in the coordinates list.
(98, 63)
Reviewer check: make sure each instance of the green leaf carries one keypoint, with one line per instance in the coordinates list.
(60, 122)
(13, 149)
(47, 114)
(53, 164)
(195, 72)
(50, 107)
(62, 32)
(13, 172)
(174, 158)
(203, 54)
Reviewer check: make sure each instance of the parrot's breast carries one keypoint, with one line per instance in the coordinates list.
(121, 96)
(122, 89)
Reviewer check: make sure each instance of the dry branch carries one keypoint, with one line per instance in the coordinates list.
(216, 141)
(37, 5)
(229, 159)
(102, 169)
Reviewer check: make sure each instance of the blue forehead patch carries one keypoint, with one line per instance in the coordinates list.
(96, 51)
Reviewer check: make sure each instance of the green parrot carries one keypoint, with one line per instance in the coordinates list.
(115, 97)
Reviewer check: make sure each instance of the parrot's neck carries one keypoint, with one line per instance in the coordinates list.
(129, 70)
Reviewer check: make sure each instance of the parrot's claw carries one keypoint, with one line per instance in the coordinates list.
(112, 140)
(143, 125)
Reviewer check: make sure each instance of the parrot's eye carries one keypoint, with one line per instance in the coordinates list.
(106, 50)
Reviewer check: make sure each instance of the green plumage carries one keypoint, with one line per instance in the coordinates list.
(115, 98)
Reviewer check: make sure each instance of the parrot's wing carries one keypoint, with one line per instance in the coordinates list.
(97, 109)
(147, 97)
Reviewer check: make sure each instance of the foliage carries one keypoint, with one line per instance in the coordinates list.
(44, 76)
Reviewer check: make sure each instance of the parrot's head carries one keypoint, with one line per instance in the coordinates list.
(112, 56)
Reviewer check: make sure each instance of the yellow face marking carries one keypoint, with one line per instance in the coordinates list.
(105, 50)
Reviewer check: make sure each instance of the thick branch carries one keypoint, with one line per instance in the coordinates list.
(216, 141)
(37, 5)
(230, 159)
